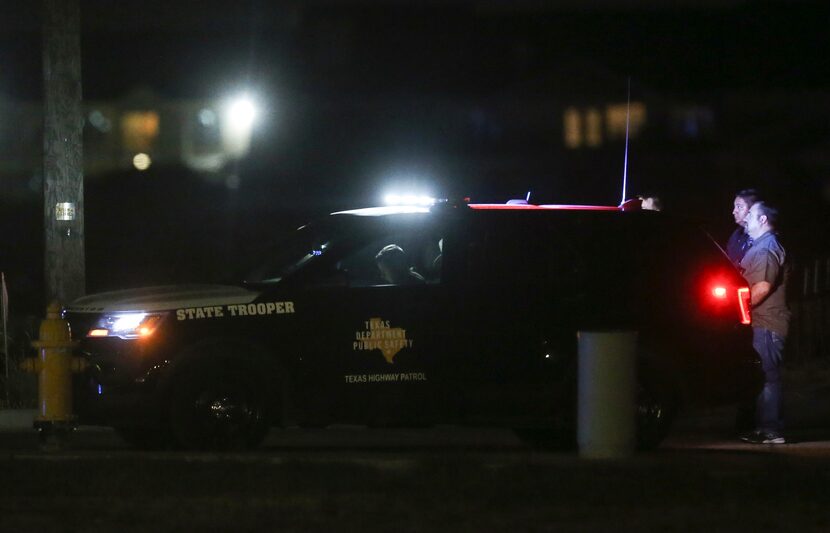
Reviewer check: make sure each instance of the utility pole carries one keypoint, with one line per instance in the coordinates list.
(63, 176)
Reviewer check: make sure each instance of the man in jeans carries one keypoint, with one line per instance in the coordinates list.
(766, 270)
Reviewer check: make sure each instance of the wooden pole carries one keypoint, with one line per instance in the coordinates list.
(63, 183)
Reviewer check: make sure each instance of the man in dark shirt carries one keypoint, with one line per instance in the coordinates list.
(739, 241)
(765, 269)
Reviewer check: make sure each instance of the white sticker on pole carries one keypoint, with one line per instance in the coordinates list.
(64, 211)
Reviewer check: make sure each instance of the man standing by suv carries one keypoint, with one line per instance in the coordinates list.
(765, 269)
(739, 241)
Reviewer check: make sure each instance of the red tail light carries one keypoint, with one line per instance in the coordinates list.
(726, 295)
(743, 303)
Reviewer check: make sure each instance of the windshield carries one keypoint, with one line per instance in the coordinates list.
(338, 235)
(305, 245)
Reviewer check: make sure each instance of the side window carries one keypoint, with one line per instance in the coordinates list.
(521, 252)
(398, 259)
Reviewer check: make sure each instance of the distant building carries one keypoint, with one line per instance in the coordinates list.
(135, 132)
(566, 132)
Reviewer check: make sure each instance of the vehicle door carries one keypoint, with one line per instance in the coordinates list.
(369, 344)
(516, 291)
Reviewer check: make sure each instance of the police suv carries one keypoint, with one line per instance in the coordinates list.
(412, 316)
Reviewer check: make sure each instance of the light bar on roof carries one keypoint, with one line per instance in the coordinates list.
(408, 199)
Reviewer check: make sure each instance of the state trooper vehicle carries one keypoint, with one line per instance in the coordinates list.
(413, 316)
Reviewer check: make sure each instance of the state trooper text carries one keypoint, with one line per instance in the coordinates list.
(234, 310)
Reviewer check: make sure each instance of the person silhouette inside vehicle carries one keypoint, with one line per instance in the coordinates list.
(394, 267)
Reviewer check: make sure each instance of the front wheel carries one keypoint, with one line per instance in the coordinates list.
(219, 404)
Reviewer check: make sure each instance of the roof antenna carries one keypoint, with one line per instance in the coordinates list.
(625, 161)
(527, 199)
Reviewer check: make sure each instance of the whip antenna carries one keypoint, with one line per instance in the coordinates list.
(625, 159)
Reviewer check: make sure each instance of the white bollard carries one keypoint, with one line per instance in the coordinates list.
(607, 394)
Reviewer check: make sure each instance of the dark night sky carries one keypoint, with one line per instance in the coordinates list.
(327, 52)
(464, 51)
(457, 47)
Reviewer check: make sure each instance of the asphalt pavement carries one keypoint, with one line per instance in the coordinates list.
(441, 479)
(438, 479)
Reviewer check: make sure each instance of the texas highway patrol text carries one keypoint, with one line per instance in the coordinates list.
(385, 378)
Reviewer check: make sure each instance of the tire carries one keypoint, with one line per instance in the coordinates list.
(656, 410)
(220, 403)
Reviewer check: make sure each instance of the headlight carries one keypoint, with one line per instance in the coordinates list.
(126, 325)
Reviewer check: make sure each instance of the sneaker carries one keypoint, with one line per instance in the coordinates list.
(764, 437)
(746, 435)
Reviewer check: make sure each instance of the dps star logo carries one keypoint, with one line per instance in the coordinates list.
(380, 335)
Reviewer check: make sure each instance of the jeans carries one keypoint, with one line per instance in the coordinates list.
(770, 348)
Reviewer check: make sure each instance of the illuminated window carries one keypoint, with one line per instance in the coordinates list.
(615, 115)
(572, 123)
(139, 130)
(593, 127)
(584, 128)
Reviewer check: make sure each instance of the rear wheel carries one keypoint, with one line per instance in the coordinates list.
(220, 404)
(656, 410)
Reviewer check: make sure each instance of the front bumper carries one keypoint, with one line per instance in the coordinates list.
(98, 405)
(118, 388)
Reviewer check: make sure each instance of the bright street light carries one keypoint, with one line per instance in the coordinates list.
(239, 116)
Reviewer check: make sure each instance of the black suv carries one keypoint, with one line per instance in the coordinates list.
(414, 316)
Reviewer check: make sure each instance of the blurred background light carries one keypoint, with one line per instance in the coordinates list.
(142, 161)
(241, 113)
(239, 116)
(207, 117)
(99, 121)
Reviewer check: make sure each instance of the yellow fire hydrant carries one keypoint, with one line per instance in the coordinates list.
(54, 365)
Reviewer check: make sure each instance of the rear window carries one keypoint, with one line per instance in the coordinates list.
(506, 249)
(612, 251)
